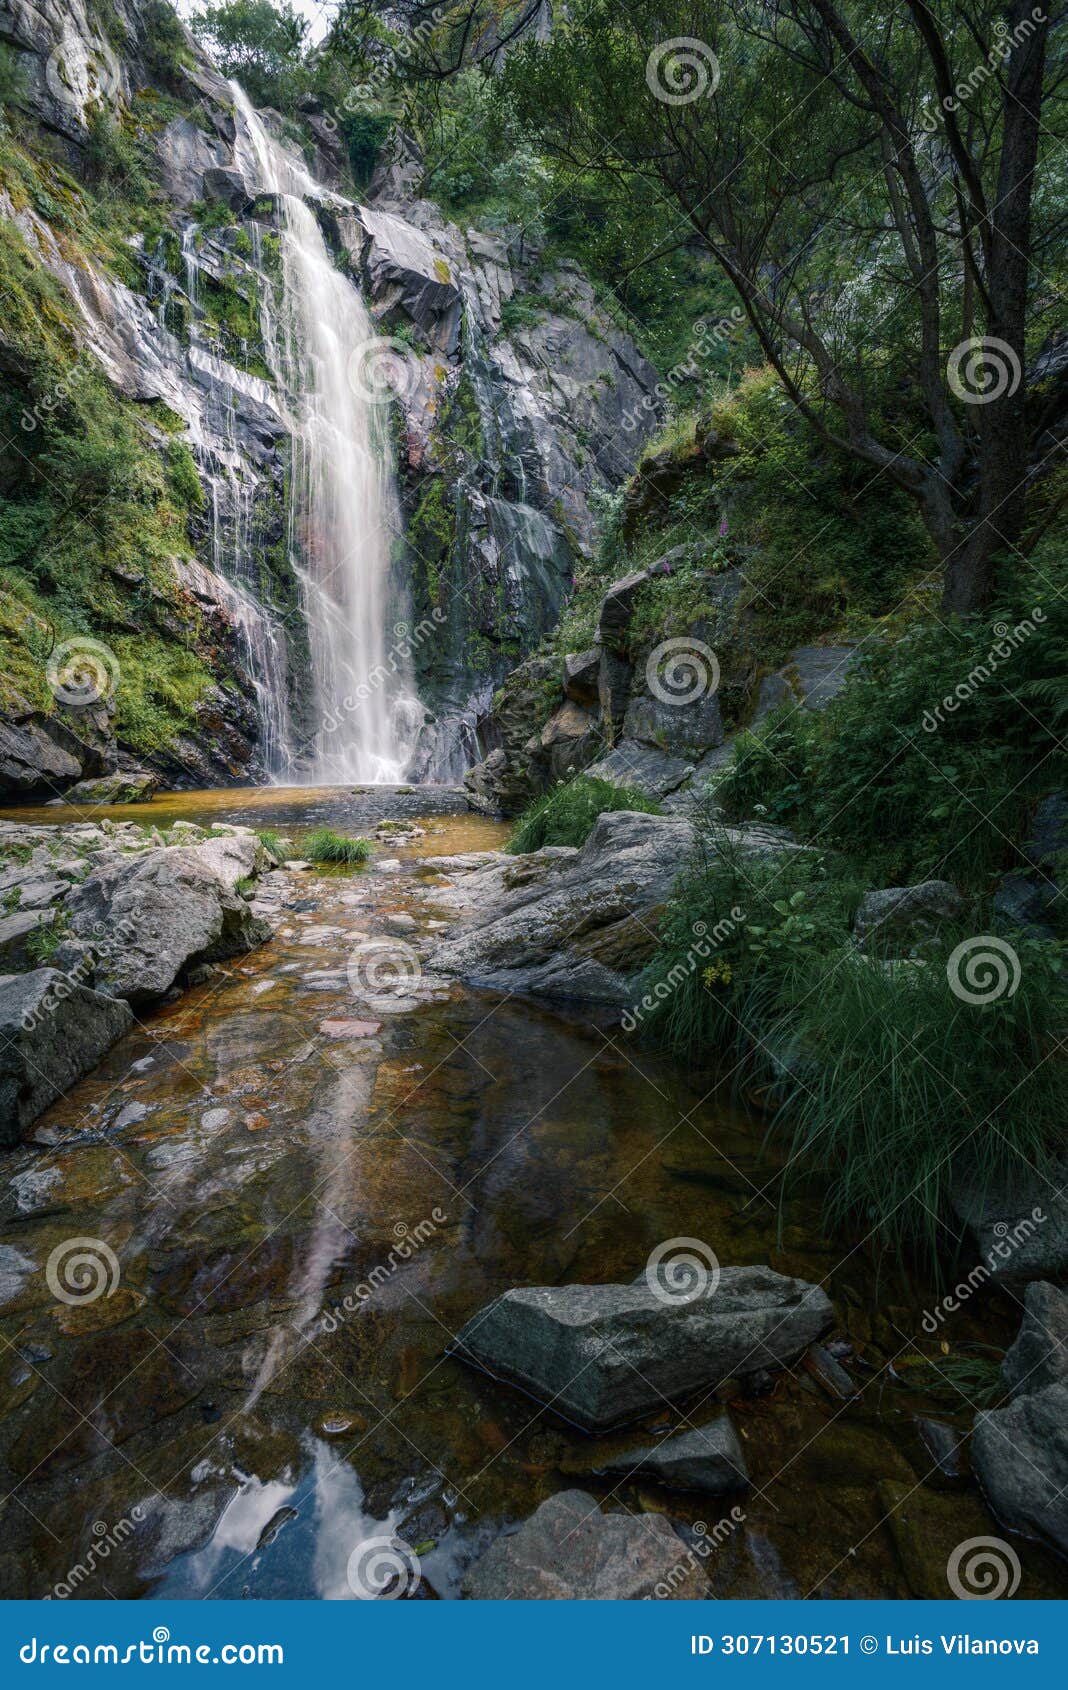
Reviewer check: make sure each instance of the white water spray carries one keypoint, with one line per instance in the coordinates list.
(344, 512)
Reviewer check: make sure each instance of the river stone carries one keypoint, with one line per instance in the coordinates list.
(1019, 1222)
(902, 915)
(1020, 1454)
(165, 912)
(602, 1355)
(129, 786)
(51, 1033)
(570, 1551)
(703, 1458)
(1039, 1357)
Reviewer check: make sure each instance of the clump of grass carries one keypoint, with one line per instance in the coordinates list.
(325, 846)
(565, 816)
(272, 843)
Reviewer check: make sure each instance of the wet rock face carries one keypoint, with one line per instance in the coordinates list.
(52, 1032)
(603, 1355)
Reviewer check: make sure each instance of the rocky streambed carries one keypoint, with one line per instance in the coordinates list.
(340, 1276)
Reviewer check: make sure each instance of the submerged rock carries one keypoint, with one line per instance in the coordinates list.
(52, 1032)
(125, 786)
(708, 1459)
(601, 1355)
(570, 1551)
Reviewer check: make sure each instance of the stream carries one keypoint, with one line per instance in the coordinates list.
(301, 1202)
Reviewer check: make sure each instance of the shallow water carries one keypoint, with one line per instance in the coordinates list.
(221, 1424)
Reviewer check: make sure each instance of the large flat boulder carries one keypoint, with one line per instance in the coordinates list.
(52, 1032)
(572, 925)
(576, 923)
(603, 1355)
(164, 913)
(569, 1551)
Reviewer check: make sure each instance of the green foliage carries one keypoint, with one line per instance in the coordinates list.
(183, 475)
(12, 81)
(45, 940)
(886, 1083)
(273, 843)
(166, 52)
(325, 846)
(926, 764)
(260, 43)
(111, 155)
(566, 814)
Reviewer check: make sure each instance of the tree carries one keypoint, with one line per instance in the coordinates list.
(260, 43)
(868, 179)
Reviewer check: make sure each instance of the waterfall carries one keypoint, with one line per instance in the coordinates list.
(344, 513)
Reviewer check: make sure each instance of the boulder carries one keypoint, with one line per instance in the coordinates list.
(676, 727)
(52, 1032)
(1020, 1454)
(708, 1459)
(603, 1355)
(1019, 1222)
(617, 607)
(818, 672)
(579, 924)
(165, 912)
(581, 669)
(898, 917)
(645, 767)
(570, 738)
(16, 931)
(125, 786)
(37, 756)
(1039, 1357)
(569, 1550)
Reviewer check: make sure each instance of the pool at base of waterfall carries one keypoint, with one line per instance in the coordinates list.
(305, 1200)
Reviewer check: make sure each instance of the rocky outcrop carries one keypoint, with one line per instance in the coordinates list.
(52, 1032)
(572, 923)
(1032, 895)
(602, 1355)
(570, 1550)
(660, 704)
(1020, 1452)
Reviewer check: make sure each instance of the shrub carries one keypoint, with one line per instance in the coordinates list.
(325, 846)
(565, 816)
(908, 786)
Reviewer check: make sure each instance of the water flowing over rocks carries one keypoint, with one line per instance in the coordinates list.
(569, 1550)
(511, 424)
(601, 1355)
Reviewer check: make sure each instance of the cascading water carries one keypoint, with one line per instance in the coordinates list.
(343, 508)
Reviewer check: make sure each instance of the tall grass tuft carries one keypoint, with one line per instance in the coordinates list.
(325, 846)
(565, 816)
